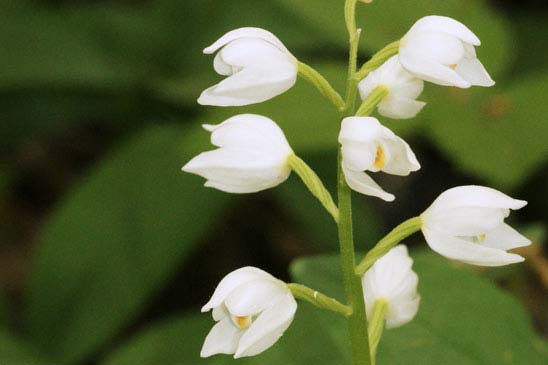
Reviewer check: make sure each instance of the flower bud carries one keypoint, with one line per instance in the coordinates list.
(257, 64)
(441, 50)
(252, 310)
(252, 155)
(466, 223)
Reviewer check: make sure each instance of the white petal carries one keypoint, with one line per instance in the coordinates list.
(248, 52)
(250, 131)
(473, 196)
(267, 328)
(402, 313)
(400, 108)
(222, 339)
(248, 32)
(402, 159)
(247, 170)
(440, 48)
(242, 187)
(473, 71)
(392, 279)
(359, 156)
(251, 85)
(505, 237)
(431, 71)
(233, 280)
(221, 67)
(471, 253)
(254, 296)
(466, 221)
(359, 181)
(389, 275)
(410, 89)
(434, 23)
(360, 129)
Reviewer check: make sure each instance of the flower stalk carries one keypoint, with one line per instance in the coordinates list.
(376, 326)
(372, 100)
(378, 59)
(314, 184)
(389, 241)
(318, 299)
(324, 87)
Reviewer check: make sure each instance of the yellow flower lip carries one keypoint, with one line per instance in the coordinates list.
(380, 158)
(243, 322)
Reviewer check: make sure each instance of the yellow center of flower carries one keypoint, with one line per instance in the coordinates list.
(380, 158)
(453, 67)
(479, 238)
(243, 321)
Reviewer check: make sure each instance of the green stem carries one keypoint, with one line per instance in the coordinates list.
(357, 322)
(318, 299)
(354, 38)
(352, 282)
(314, 184)
(376, 326)
(325, 88)
(378, 59)
(372, 100)
(389, 241)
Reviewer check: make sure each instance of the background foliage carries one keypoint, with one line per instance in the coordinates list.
(107, 250)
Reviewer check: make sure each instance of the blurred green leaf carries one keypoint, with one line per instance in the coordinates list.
(14, 352)
(463, 318)
(177, 341)
(115, 240)
(4, 310)
(496, 134)
(531, 42)
(388, 20)
(40, 47)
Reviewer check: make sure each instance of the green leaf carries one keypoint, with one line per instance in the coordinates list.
(175, 340)
(531, 41)
(463, 318)
(40, 47)
(115, 240)
(4, 310)
(13, 351)
(179, 340)
(489, 132)
(388, 20)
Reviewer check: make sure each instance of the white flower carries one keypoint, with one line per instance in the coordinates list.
(466, 223)
(252, 310)
(441, 50)
(252, 155)
(392, 279)
(369, 146)
(258, 65)
(403, 88)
